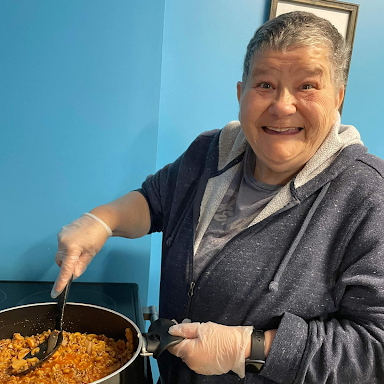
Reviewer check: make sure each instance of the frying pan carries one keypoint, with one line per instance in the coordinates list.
(31, 319)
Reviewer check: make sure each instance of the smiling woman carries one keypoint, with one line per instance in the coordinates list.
(288, 105)
(272, 228)
(293, 79)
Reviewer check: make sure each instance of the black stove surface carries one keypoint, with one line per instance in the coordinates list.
(120, 297)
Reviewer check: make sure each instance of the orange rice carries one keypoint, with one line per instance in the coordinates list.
(82, 358)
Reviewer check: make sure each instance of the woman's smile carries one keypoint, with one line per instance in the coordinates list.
(281, 131)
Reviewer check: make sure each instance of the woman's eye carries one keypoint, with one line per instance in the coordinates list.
(265, 85)
(307, 86)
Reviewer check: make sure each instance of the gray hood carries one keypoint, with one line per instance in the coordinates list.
(233, 143)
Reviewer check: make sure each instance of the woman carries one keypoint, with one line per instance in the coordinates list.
(272, 240)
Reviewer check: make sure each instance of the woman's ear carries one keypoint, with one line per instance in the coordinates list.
(340, 97)
(239, 88)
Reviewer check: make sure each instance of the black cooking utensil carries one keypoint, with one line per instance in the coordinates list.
(51, 345)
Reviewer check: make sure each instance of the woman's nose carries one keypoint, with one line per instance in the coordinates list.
(283, 105)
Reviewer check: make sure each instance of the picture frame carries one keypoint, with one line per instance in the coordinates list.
(341, 14)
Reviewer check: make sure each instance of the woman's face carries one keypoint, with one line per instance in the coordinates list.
(287, 107)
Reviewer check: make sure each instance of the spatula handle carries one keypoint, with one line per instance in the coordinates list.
(62, 299)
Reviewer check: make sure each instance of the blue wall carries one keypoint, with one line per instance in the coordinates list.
(364, 99)
(79, 105)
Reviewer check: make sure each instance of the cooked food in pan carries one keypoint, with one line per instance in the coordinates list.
(82, 358)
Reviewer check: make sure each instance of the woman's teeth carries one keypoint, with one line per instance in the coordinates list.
(287, 131)
(284, 129)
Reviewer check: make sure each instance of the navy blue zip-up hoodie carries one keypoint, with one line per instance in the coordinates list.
(311, 264)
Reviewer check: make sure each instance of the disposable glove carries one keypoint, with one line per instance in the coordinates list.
(79, 242)
(212, 349)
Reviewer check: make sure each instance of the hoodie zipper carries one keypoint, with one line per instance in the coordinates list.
(191, 288)
(195, 280)
(196, 213)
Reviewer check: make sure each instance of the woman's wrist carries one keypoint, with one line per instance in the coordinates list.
(107, 215)
(269, 336)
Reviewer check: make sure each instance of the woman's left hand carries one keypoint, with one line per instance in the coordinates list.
(212, 349)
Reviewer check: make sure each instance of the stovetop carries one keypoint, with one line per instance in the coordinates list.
(120, 297)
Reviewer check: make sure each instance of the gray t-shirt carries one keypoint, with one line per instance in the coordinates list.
(244, 200)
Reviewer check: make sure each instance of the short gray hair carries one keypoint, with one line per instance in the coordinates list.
(300, 29)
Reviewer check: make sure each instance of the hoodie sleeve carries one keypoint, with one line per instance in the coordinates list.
(348, 346)
(155, 189)
(171, 188)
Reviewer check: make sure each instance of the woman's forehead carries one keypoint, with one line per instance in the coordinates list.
(312, 61)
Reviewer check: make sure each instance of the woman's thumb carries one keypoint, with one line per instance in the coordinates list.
(187, 330)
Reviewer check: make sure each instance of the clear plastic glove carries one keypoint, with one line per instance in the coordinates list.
(79, 242)
(212, 349)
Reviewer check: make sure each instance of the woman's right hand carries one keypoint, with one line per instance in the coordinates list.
(79, 242)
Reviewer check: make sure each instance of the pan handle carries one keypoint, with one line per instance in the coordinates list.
(157, 339)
